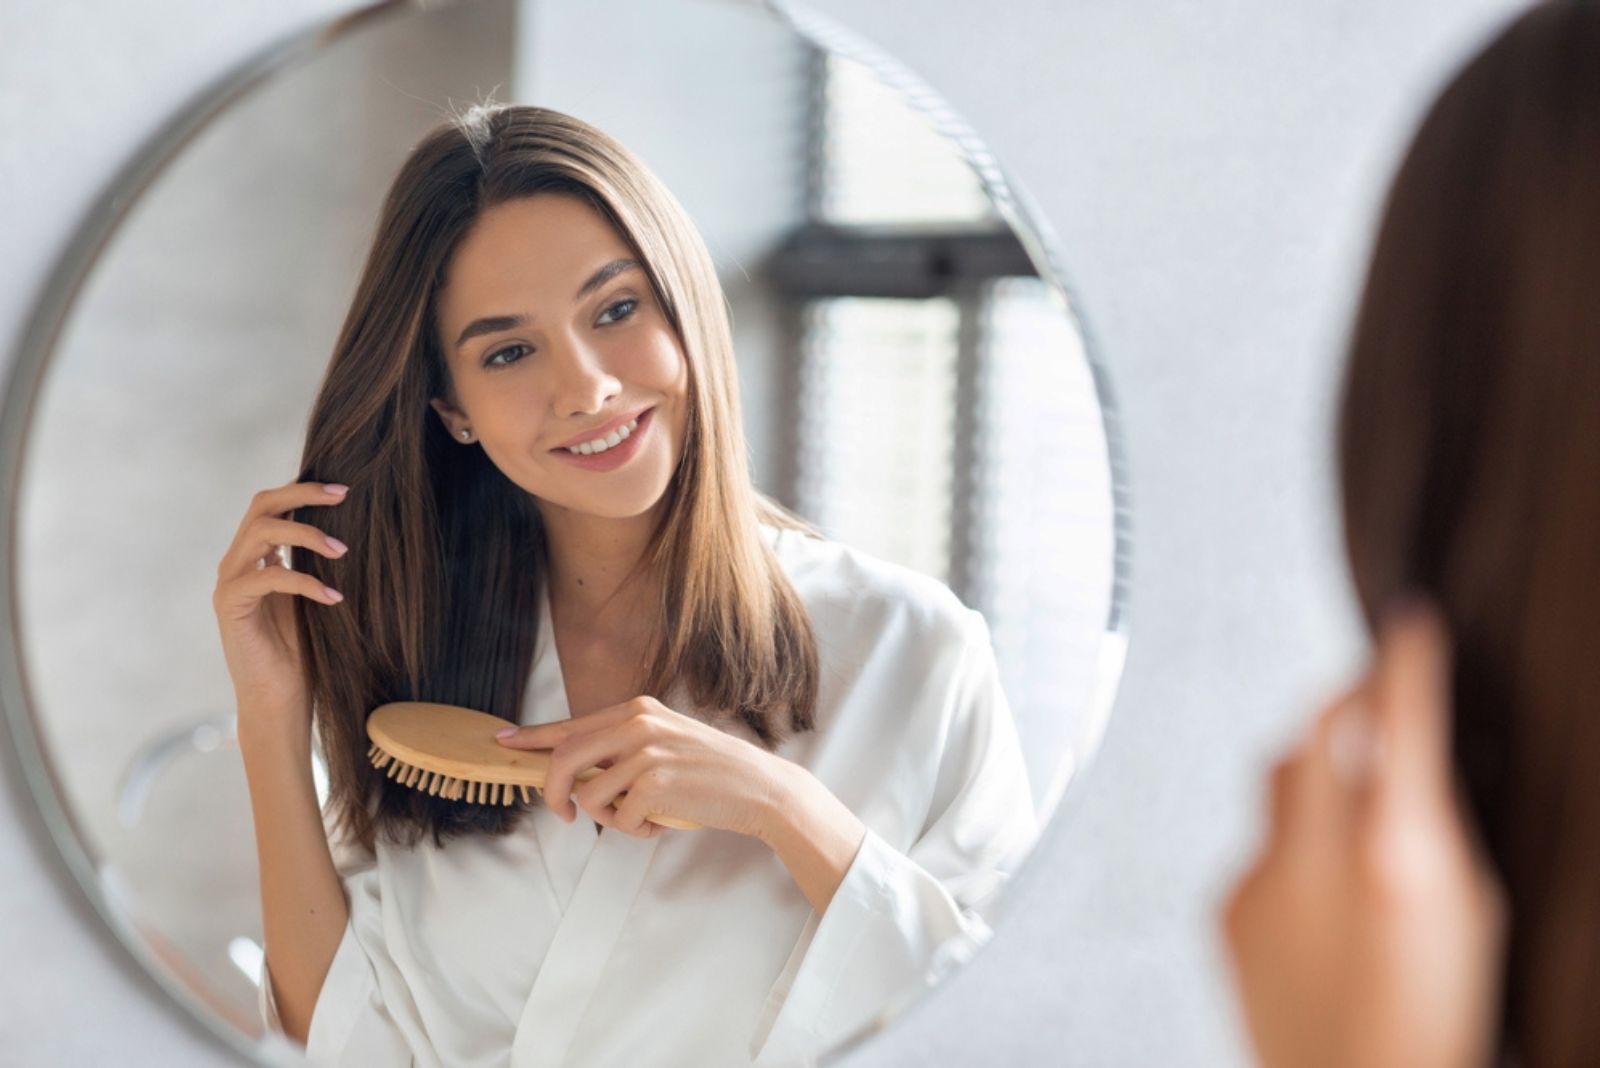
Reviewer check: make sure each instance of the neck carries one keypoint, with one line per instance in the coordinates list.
(594, 579)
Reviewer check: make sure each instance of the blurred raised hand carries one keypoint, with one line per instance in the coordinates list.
(1369, 931)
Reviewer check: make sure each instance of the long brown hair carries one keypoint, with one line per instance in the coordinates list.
(1470, 466)
(447, 555)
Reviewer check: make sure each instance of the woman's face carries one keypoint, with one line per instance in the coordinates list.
(554, 338)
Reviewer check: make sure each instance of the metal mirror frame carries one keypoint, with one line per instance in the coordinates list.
(30, 360)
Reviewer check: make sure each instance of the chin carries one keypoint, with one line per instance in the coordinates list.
(620, 510)
(618, 505)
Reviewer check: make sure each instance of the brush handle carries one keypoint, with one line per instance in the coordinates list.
(437, 743)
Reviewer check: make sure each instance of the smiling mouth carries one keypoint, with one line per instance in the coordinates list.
(602, 442)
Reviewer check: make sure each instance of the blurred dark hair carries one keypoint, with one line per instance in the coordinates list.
(1469, 446)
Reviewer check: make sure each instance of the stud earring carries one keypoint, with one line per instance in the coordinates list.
(466, 434)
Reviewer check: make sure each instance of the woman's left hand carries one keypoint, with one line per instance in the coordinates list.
(667, 764)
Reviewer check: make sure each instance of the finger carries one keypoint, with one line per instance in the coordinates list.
(596, 795)
(281, 500)
(1240, 915)
(573, 757)
(1331, 793)
(602, 816)
(1253, 940)
(238, 598)
(1281, 791)
(543, 735)
(263, 537)
(549, 735)
(1309, 803)
(1234, 913)
(1286, 787)
(635, 808)
(1317, 801)
(1411, 704)
(1417, 831)
(533, 736)
(1352, 745)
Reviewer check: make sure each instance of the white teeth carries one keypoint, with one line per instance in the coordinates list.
(616, 437)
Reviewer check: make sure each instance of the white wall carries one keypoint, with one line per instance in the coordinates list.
(1212, 169)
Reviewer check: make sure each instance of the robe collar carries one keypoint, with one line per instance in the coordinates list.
(595, 880)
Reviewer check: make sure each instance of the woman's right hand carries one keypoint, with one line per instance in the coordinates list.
(254, 612)
(1370, 930)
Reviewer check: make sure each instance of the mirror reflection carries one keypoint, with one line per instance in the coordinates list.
(703, 412)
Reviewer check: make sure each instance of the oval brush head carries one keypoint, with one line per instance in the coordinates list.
(451, 752)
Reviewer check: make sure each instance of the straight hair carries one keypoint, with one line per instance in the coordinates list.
(1469, 451)
(448, 556)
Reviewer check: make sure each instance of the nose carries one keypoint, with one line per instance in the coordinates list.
(581, 385)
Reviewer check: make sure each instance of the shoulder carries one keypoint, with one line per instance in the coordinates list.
(855, 597)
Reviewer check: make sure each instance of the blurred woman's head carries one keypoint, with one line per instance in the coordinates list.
(1470, 469)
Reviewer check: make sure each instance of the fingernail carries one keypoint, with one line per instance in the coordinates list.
(1353, 745)
(332, 593)
(337, 489)
(505, 732)
(335, 544)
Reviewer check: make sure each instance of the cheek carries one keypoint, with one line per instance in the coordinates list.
(652, 362)
(516, 409)
(664, 365)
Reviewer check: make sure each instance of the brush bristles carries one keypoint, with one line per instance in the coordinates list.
(437, 784)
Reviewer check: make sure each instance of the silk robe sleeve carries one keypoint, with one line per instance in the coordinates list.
(901, 915)
(351, 1022)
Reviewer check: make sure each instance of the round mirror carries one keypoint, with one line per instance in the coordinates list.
(914, 382)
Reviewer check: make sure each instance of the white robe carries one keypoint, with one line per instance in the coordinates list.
(555, 945)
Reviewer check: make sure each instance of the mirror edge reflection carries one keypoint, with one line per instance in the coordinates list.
(34, 346)
(1039, 241)
(23, 379)
(1018, 210)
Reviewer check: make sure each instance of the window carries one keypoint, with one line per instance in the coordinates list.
(944, 413)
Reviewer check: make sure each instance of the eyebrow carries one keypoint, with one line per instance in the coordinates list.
(494, 324)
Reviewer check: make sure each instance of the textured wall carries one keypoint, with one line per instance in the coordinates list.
(1212, 169)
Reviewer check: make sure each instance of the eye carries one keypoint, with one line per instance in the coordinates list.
(492, 358)
(619, 311)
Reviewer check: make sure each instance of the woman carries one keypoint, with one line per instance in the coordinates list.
(1389, 920)
(549, 517)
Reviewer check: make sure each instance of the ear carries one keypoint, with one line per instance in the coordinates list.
(453, 418)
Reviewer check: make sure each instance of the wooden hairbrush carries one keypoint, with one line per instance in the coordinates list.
(451, 752)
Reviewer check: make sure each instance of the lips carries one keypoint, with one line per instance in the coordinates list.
(600, 431)
(615, 457)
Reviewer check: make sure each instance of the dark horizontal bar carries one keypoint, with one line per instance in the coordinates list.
(834, 261)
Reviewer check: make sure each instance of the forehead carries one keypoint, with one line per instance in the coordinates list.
(526, 252)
